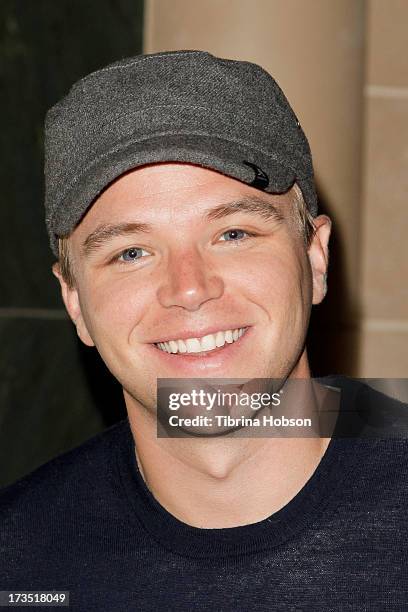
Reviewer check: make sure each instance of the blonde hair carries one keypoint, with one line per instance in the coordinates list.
(302, 216)
(65, 261)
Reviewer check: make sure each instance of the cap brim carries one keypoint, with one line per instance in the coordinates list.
(228, 157)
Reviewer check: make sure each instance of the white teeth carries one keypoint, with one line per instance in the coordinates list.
(208, 343)
(220, 339)
(199, 345)
(182, 346)
(229, 337)
(173, 346)
(193, 345)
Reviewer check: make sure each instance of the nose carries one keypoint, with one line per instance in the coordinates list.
(189, 281)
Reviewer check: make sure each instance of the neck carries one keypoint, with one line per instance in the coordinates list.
(222, 482)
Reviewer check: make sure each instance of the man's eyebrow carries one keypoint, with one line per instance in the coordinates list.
(250, 204)
(105, 232)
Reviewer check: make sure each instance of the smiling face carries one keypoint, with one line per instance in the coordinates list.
(183, 272)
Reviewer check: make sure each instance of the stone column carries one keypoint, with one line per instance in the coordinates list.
(384, 346)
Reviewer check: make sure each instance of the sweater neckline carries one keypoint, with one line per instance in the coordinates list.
(285, 523)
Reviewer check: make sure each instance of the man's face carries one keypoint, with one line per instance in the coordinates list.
(197, 254)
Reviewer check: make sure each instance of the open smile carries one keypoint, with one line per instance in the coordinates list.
(211, 352)
(203, 344)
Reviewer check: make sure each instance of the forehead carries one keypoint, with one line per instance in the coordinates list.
(161, 191)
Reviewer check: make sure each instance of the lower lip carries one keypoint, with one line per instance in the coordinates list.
(216, 359)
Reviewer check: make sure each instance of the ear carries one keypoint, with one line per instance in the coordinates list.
(73, 306)
(318, 252)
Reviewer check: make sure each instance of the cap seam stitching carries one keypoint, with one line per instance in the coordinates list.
(208, 109)
(137, 61)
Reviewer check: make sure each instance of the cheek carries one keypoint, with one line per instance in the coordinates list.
(111, 309)
(275, 278)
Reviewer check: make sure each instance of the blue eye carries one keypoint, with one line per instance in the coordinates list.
(235, 234)
(131, 254)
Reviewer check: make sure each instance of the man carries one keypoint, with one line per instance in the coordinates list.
(182, 209)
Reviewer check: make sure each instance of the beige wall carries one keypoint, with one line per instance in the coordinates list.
(316, 51)
(384, 295)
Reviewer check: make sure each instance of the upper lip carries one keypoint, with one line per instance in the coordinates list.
(196, 333)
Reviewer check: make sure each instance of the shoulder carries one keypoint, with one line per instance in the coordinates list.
(72, 475)
(51, 517)
(377, 425)
(379, 414)
(376, 422)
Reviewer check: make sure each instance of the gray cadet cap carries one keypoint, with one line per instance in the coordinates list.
(184, 106)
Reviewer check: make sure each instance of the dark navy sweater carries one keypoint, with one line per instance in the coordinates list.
(86, 523)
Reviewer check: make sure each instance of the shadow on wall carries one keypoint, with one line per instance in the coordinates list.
(332, 341)
(45, 404)
(105, 390)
